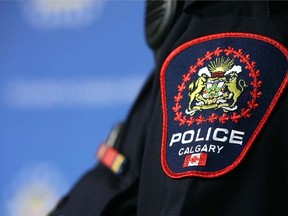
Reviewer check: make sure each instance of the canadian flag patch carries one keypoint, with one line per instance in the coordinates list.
(195, 160)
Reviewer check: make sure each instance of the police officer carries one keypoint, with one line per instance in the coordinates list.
(207, 134)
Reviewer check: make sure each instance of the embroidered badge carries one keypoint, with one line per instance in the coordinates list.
(217, 93)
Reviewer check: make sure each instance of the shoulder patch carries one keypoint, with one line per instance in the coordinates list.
(217, 93)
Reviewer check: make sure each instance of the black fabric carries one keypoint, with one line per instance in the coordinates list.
(257, 187)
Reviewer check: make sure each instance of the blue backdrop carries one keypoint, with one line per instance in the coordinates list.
(69, 70)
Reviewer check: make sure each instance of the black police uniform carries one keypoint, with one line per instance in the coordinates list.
(207, 134)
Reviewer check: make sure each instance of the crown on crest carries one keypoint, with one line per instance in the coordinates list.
(220, 66)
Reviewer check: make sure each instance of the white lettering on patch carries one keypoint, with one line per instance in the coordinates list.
(218, 134)
(200, 148)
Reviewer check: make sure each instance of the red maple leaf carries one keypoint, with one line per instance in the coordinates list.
(178, 97)
(192, 69)
(254, 73)
(181, 87)
(200, 120)
(218, 51)
(246, 113)
(200, 61)
(235, 117)
(255, 93)
(252, 104)
(186, 77)
(237, 53)
(194, 159)
(229, 50)
(208, 55)
(223, 118)
(245, 58)
(176, 107)
(212, 118)
(190, 121)
(256, 84)
(178, 116)
(253, 64)
(182, 120)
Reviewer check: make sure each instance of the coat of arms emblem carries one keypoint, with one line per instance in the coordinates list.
(218, 86)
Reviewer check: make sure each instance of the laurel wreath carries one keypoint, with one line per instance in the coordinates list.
(235, 116)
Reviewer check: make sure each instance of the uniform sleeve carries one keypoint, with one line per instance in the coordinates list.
(100, 191)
